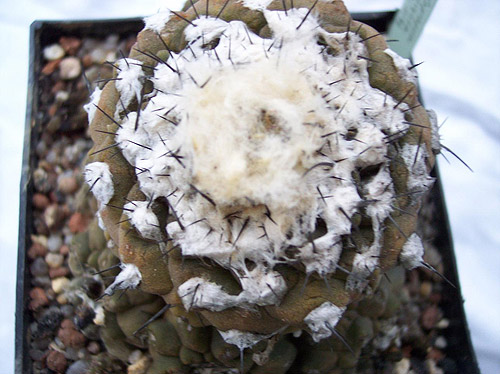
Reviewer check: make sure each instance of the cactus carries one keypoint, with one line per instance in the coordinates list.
(259, 166)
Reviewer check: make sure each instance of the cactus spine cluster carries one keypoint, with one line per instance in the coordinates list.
(258, 165)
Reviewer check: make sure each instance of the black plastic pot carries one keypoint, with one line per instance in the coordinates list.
(44, 33)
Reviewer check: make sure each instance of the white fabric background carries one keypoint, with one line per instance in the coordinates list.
(460, 80)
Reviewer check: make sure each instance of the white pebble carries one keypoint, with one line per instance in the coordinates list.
(54, 260)
(62, 96)
(53, 52)
(59, 284)
(70, 68)
(54, 242)
(440, 342)
(443, 324)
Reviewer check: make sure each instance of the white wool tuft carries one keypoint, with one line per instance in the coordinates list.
(242, 339)
(143, 219)
(403, 65)
(100, 180)
(412, 254)
(129, 80)
(91, 108)
(256, 4)
(157, 21)
(128, 278)
(322, 320)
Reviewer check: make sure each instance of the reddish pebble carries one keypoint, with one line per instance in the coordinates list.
(52, 110)
(38, 298)
(430, 316)
(70, 44)
(57, 362)
(64, 250)
(87, 61)
(70, 336)
(37, 250)
(58, 272)
(40, 201)
(77, 223)
(58, 86)
(50, 67)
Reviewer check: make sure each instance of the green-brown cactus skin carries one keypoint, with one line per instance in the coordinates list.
(245, 251)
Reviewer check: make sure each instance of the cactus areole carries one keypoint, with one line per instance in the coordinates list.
(264, 163)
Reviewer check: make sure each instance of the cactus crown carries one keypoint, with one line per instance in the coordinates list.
(269, 161)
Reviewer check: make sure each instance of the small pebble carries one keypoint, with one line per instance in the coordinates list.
(37, 250)
(43, 282)
(433, 368)
(77, 223)
(67, 184)
(54, 260)
(94, 347)
(39, 239)
(38, 298)
(78, 367)
(425, 289)
(70, 44)
(39, 268)
(57, 362)
(443, 324)
(50, 67)
(36, 354)
(62, 96)
(67, 310)
(53, 52)
(64, 250)
(430, 317)
(59, 285)
(435, 354)
(70, 68)
(58, 272)
(402, 367)
(53, 216)
(42, 343)
(440, 342)
(54, 242)
(40, 201)
(70, 336)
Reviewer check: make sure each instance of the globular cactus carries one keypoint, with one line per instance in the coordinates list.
(259, 165)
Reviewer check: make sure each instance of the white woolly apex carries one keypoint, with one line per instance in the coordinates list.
(129, 79)
(242, 339)
(412, 254)
(322, 320)
(99, 179)
(156, 22)
(143, 219)
(129, 277)
(404, 66)
(268, 132)
(91, 107)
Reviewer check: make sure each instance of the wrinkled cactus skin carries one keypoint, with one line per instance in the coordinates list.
(188, 333)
